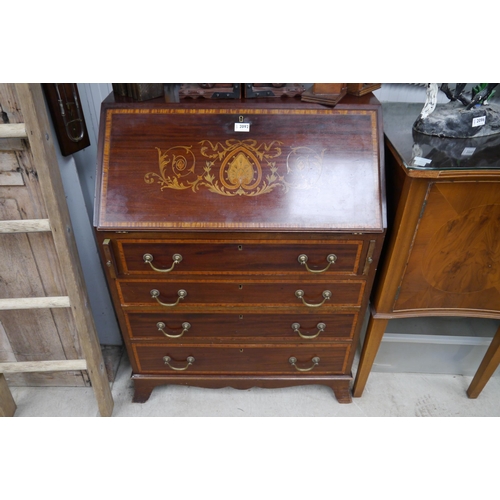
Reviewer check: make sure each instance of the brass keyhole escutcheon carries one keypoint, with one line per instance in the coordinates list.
(240, 118)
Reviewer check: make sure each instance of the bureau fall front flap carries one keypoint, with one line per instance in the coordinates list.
(232, 165)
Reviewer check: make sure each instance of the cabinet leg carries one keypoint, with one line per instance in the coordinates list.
(487, 367)
(342, 392)
(7, 404)
(142, 390)
(374, 333)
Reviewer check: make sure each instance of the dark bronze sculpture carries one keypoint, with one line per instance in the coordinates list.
(467, 114)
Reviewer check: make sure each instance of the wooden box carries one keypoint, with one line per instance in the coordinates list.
(139, 91)
(328, 94)
(362, 88)
(210, 90)
(252, 90)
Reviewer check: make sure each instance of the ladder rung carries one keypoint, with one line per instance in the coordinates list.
(34, 303)
(24, 226)
(12, 130)
(43, 366)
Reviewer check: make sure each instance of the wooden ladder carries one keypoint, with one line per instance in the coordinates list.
(36, 130)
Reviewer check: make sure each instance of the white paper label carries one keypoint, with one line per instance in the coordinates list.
(478, 121)
(468, 151)
(242, 127)
(421, 162)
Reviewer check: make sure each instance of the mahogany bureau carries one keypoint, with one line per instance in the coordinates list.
(240, 238)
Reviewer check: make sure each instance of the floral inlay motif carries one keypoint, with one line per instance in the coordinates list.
(245, 168)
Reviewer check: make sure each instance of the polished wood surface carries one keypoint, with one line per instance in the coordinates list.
(443, 246)
(455, 255)
(243, 327)
(161, 162)
(373, 337)
(242, 257)
(242, 292)
(243, 359)
(241, 210)
(487, 367)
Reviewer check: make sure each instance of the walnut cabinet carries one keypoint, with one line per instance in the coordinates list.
(442, 251)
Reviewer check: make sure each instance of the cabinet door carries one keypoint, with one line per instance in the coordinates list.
(454, 262)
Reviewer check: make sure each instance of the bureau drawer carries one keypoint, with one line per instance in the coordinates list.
(215, 293)
(174, 257)
(244, 359)
(179, 328)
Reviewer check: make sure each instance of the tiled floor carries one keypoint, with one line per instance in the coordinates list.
(386, 395)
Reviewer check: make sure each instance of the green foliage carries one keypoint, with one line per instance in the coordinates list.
(479, 88)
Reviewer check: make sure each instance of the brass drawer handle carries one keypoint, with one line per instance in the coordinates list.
(160, 325)
(296, 328)
(331, 259)
(155, 294)
(148, 258)
(189, 359)
(293, 362)
(326, 296)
